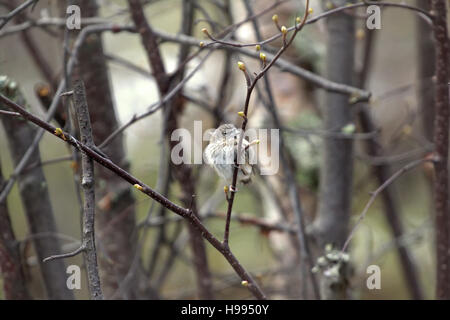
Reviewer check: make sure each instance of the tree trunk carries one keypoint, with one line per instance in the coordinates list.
(11, 267)
(36, 200)
(331, 224)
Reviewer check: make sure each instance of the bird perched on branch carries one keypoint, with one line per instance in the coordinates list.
(222, 154)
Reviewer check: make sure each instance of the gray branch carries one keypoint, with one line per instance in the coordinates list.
(88, 184)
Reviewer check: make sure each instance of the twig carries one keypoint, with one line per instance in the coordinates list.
(16, 11)
(285, 65)
(9, 113)
(65, 255)
(53, 107)
(250, 86)
(182, 172)
(380, 189)
(155, 106)
(293, 194)
(141, 186)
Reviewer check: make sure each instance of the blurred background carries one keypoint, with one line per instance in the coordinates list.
(398, 78)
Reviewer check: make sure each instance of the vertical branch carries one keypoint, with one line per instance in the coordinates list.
(382, 174)
(441, 139)
(331, 224)
(293, 192)
(88, 184)
(116, 215)
(11, 267)
(182, 172)
(35, 197)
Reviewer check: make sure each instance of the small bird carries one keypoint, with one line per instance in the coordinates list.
(221, 154)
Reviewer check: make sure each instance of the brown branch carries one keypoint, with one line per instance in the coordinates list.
(11, 266)
(141, 186)
(55, 103)
(441, 140)
(280, 63)
(173, 109)
(35, 196)
(292, 188)
(250, 86)
(381, 188)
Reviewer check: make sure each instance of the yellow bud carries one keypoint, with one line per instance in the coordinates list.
(258, 47)
(262, 56)
(329, 5)
(139, 187)
(310, 10)
(225, 189)
(205, 31)
(241, 113)
(283, 30)
(60, 133)
(244, 283)
(201, 44)
(256, 141)
(241, 65)
(275, 18)
(298, 20)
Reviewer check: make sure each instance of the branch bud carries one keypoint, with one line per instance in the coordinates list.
(262, 56)
(241, 65)
(60, 133)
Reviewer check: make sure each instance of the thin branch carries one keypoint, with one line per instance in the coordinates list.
(55, 103)
(374, 194)
(141, 186)
(65, 255)
(250, 86)
(16, 11)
